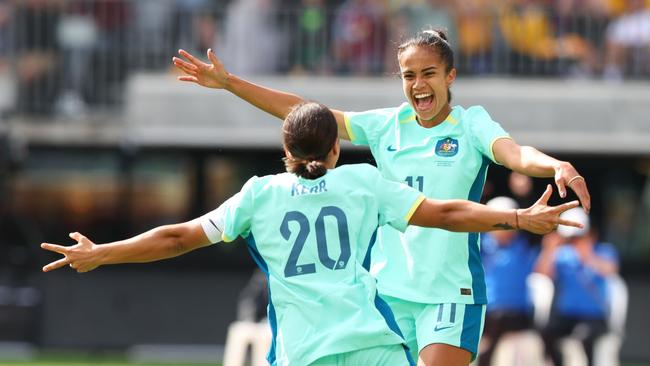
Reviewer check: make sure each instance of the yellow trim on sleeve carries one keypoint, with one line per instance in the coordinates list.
(415, 206)
(348, 128)
(225, 238)
(494, 159)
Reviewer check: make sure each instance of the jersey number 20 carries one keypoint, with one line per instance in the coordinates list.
(293, 268)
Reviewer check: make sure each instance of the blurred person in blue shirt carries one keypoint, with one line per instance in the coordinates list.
(508, 259)
(579, 266)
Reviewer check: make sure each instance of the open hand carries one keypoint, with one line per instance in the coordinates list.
(81, 257)
(541, 218)
(211, 75)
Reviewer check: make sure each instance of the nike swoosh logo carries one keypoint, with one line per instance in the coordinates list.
(439, 328)
(391, 148)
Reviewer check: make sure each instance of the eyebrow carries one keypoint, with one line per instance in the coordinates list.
(430, 68)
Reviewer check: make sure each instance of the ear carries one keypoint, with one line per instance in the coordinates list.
(451, 77)
(336, 149)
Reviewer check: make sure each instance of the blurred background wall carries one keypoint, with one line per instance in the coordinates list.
(97, 136)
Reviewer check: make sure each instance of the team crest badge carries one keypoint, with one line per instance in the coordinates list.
(447, 147)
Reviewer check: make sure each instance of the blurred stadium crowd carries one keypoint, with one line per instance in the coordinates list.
(66, 54)
(61, 58)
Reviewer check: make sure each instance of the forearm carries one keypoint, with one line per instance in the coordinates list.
(533, 163)
(463, 216)
(602, 266)
(545, 263)
(269, 100)
(156, 244)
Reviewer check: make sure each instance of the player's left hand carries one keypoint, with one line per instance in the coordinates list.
(80, 257)
(567, 176)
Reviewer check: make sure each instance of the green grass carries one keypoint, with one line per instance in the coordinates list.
(81, 359)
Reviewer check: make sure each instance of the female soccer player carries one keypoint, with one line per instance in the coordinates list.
(444, 152)
(311, 230)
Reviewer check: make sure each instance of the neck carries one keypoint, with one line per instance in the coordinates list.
(437, 119)
(330, 163)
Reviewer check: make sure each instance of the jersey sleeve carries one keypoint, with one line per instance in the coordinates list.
(484, 131)
(397, 201)
(231, 219)
(362, 127)
(607, 252)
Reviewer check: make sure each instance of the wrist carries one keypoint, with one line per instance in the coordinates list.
(517, 219)
(229, 81)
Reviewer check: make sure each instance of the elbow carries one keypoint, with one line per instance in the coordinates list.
(172, 240)
(450, 220)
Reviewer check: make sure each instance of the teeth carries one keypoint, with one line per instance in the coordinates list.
(423, 95)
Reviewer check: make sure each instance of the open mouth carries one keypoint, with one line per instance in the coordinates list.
(423, 101)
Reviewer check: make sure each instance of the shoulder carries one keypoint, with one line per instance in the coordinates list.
(256, 184)
(606, 249)
(358, 170)
(473, 114)
(378, 114)
(567, 255)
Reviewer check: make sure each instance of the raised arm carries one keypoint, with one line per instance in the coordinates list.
(159, 243)
(467, 216)
(532, 162)
(214, 75)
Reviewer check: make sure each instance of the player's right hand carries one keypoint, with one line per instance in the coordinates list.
(80, 257)
(541, 218)
(211, 75)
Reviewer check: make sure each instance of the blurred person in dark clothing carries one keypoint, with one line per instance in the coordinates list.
(508, 259)
(579, 266)
(36, 50)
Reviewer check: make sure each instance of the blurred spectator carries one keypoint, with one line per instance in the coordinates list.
(427, 14)
(528, 29)
(508, 259)
(37, 56)
(627, 48)
(104, 84)
(408, 18)
(359, 38)
(152, 28)
(475, 32)
(77, 35)
(587, 19)
(579, 266)
(521, 187)
(310, 39)
(252, 42)
(185, 11)
(253, 299)
(5, 41)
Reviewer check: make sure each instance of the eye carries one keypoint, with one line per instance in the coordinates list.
(408, 76)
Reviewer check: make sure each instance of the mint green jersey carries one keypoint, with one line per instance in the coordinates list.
(313, 240)
(448, 161)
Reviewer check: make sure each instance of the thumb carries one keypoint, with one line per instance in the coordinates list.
(213, 58)
(78, 237)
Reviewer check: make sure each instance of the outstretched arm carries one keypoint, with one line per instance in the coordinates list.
(467, 216)
(532, 162)
(214, 75)
(160, 243)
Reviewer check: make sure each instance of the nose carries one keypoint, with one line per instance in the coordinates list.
(418, 82)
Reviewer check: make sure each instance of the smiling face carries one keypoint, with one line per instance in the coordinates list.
(426, 81)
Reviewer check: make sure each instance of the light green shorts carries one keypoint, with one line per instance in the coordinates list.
(392, 355)
(459, 325)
